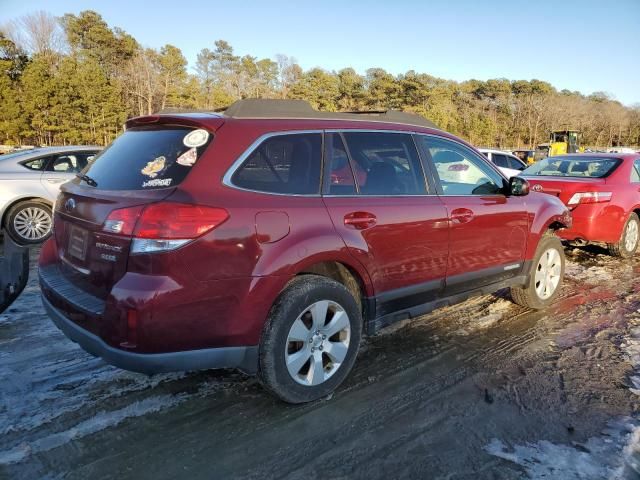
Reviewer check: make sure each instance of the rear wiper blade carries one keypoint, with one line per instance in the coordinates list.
(87, 179)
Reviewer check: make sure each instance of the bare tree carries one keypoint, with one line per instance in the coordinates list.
(37, 33)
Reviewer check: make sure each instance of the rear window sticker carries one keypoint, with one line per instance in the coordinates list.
(154, 167)
(158, 182)
(196, 138)
(188, 158)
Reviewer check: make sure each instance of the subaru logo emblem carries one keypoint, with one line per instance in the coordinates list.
(70, 204)
(537, 188)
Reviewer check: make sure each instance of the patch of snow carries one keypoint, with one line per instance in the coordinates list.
(613, 455)
(500, 306)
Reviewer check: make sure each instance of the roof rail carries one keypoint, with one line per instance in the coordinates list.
(180, 111)
(300, 109)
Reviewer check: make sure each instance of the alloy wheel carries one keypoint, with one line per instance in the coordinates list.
(32, 223)
(631, 236)
(547, 276)
(317, 343)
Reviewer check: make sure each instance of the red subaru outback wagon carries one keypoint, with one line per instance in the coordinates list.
(271, 237)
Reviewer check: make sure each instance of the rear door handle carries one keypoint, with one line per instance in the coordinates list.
(360, 220)
(56, 180)
(462, 215)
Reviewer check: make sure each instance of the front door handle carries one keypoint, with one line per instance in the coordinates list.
(360, 220)
(56, 180)
(462, 215)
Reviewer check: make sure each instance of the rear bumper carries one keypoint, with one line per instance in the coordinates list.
(595, 223)
(244, 358)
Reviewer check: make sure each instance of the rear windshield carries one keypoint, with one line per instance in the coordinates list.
(573, 167)
(146, 158)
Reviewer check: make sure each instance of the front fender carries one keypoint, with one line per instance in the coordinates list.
(546, 213)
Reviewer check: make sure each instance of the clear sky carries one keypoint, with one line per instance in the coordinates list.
(586, 45)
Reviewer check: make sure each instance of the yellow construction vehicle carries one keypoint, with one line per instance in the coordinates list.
(564, 141)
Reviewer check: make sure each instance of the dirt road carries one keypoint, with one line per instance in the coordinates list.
(481, 390)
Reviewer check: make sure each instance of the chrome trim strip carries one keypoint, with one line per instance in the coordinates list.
(84, 271)
(381, 196)
(226, 180)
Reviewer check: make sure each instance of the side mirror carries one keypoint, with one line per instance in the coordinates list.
(518, 187)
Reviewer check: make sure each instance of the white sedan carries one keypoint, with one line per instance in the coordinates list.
(29, 184)
(509, 164)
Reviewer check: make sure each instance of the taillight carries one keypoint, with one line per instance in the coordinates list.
(122, 221)
(589, 197)
(163, 226)
(177, 220)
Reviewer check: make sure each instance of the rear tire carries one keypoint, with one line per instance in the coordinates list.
(545, 277)
(628, 244)
(311, 339)
(29, 222)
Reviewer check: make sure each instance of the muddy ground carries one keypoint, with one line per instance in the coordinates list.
(481, 390)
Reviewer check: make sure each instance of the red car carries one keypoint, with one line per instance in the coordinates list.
(271, 237)
(603, 193)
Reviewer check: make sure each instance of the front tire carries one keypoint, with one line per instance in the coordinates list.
(628, 244)
(29, 223)
(545, 277)
(311, 339)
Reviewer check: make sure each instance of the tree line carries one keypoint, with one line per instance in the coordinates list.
(76, 79)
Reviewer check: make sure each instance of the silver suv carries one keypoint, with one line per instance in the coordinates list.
(29, 184)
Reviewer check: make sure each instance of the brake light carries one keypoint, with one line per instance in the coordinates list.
(165, 225)
(177, 220)
(122, 221)
(589, 197)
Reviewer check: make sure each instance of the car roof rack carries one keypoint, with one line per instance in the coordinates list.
(268, 108)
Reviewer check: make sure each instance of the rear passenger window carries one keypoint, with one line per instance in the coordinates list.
(288, 163)
(516, 164)
(500, 160)
(70, 163)
(385, 163)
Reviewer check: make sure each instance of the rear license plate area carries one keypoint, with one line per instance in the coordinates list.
(77, 246)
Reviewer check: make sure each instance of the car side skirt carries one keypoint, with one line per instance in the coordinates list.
(410, 302)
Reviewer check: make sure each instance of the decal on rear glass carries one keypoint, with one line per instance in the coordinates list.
(154, 167)
(188, 158)
(158, 182)
(196, 138)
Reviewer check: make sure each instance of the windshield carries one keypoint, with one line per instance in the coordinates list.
(573, 167)
(147, 158)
